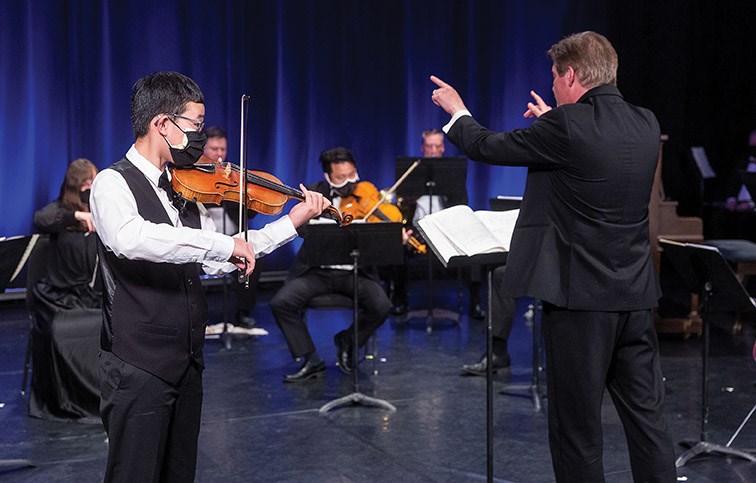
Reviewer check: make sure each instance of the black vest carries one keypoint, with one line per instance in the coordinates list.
(154, 314)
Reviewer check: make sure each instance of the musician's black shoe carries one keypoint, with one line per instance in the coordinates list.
(480, 368)
(343, 352)
(243, 319)
(308, 370)
(476, 312)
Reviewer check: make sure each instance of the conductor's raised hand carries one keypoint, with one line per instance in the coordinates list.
(446, 97)
(313, 205)
(538, 108)
(243, 252)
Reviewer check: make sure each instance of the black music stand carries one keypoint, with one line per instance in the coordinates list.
(505, 203)
(14, 252)
(489, 261)
(749, 180)
(447, 177)
(708, 274)
(328, 244)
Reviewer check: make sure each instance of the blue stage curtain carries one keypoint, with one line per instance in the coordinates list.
(320, 73)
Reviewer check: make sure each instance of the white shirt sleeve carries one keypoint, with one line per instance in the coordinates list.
(123, 230)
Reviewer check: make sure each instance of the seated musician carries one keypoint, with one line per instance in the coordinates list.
(70, 281)
(432, 146)
(64, 369)
(305, 282)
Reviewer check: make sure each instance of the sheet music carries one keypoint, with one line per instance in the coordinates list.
(457, 231)
(501, 224)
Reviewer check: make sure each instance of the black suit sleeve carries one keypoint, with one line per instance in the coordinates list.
(53, 218)
(542, 145)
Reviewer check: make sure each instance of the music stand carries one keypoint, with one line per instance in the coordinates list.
(749, 180)
(328, 244)
(708, 274)
(14, 252)
(445, 176)
(505, 203)
(489, 261)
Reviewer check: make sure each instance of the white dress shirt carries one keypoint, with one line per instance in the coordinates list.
(124, 232)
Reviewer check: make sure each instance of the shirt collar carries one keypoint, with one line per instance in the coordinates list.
(602, 90)
(149, 170)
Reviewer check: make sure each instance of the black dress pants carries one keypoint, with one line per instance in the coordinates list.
(288, 304)
(152, 426)
(587, 352)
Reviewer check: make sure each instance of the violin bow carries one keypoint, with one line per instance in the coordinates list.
(393, 188)
(243, 219)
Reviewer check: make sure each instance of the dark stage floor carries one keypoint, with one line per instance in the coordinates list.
(255, 428)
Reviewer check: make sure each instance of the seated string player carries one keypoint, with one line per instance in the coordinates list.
(432, 146)
(305, 282)
(70, 281)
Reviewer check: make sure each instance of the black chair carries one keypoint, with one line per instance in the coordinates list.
(35, 271)
(62, 352)
(336, 301)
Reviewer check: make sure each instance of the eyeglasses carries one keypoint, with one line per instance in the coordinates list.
(197, 124)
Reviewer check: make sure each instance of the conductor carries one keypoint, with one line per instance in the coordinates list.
(581, 245)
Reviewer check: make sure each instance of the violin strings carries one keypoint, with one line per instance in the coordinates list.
(266, 183)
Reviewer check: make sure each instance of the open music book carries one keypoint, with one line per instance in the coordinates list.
(461, 232)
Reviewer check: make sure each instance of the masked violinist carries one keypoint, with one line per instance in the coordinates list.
(305, 282)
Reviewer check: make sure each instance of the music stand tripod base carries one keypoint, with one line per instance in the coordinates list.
(354, 399)
(431, 316)
(703, 447)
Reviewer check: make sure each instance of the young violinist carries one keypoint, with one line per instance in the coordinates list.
(154, 307)
(305, 282)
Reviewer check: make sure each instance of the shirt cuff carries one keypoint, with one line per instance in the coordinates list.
(457, 115)
(282, 230)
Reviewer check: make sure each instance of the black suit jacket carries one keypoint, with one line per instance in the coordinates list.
(581, 240)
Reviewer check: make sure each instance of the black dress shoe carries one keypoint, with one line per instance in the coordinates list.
(477, 313)
(308, 371)
(343, 353)
(243, 319)
(480, 367)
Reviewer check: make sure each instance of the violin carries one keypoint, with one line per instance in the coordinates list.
(367, 203)
(210, 181)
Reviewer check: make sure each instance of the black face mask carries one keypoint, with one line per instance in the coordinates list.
(343, 191)
(192, 149)
(84, 195)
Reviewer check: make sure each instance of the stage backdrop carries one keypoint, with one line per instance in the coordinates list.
(319, 73)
